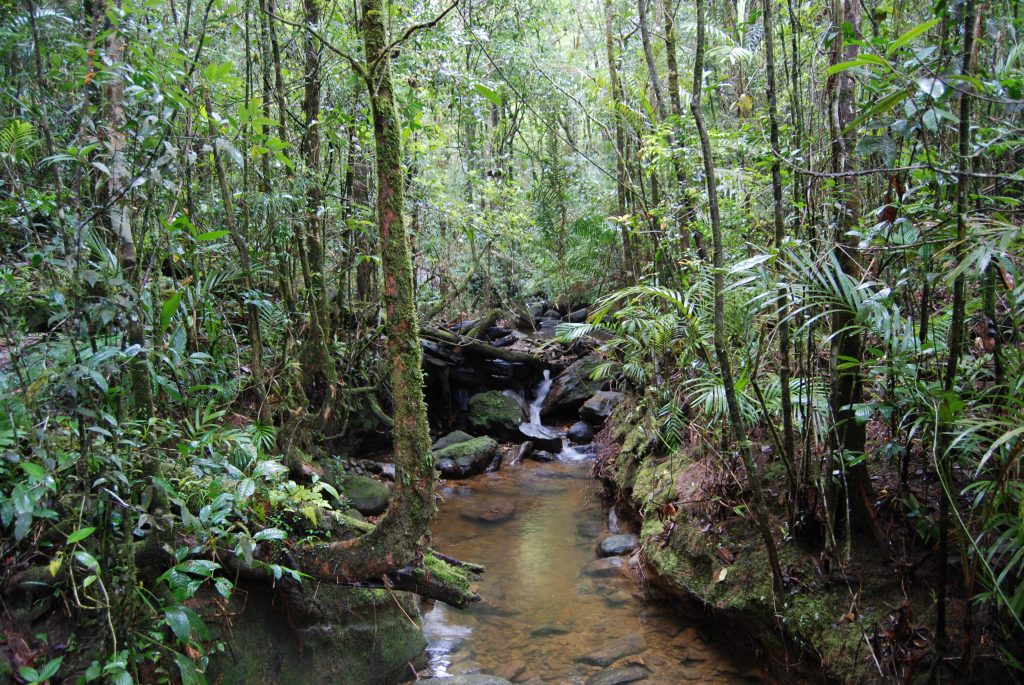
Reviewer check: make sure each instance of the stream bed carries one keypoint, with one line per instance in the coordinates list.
(545, 602)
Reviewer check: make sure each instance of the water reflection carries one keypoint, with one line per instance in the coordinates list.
(545, 600)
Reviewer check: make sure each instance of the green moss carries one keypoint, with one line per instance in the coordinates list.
(466, 458)
(448, 574)
(494, 413)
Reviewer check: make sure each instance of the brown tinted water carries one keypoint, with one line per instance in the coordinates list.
(540, 609)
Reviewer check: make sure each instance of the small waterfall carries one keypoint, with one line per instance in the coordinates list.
(542, 393)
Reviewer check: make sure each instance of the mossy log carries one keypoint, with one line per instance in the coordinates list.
(482, 349)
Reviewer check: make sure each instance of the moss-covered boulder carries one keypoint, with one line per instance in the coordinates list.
(316, 634)
(492, 413)
(366, 495)
(465, 458)
(453, 438)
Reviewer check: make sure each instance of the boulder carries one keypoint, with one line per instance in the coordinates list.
(571, 388)
(453, 438)
(580, 432)
(536, 310)
(493, 413)
(313, 633)
(618, 676)
(542, 437)
(613, 651)
(496, 510)
(366, 495)
(599, 407)
(614, 545)
(577, 316)
(465, 458)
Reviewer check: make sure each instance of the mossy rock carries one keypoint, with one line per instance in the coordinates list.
(321, 633)
(366, 495)
(465, 458)
(493, 413)
(453, 438)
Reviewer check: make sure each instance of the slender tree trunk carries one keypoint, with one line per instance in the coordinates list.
(788, 439)
(956, 327)
(253, 315)
(120, 175)
(847, 342)
(759, 507)
(683, 210)
(620, 144)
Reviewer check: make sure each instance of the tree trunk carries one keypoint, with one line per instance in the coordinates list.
(760, 510)
(788, 439)
(120, 175)
(620, 145)
(847, 344)
(683, 210)
(396, 540)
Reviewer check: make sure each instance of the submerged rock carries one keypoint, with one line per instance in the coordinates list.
(613, 651)
(572, 387)
(493, 413)
(542, 455)
(465, 458)
(614, 545)
(453, 438)
(580, 432)
(366, 495)
(599, 407)
(542, 437)
(618, 676)
(495, 511)
(610, 567)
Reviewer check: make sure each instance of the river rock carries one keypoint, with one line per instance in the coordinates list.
(618, 676)
(542, 455)
(495, 510)
(609, 567)
(614, 545)
(453, 438)
(542, 437)
(366, 495)
(471, 679)
(613, 651)
(599, 407)
(572, 387)
(577, 316)
(580, 432)
(493, 413)
(465, 458)
(536, 310)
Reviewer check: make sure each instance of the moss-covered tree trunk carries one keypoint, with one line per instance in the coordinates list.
(620, 145)
(396, 540)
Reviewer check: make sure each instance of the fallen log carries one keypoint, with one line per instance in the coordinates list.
(481, 348)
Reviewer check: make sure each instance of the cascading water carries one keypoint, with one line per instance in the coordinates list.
(542, 393)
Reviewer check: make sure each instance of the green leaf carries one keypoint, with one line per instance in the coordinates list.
(211, 235)
(865, 60)
(87, 560)
(169, 309)
(270, 534)
(51, 668)
(80, 534)
(488, 93)
(187, 669)
(177, 619)
(910, 35)
(32, 470)
(886, 103)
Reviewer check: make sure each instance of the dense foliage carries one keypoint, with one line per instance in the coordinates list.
(192, 288)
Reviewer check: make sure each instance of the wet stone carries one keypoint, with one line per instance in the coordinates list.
(548, 631)
(617, 676)
(613, 651)
(610, 567)
(494, 511)
(473, 679)
(614, 545)
(580, 432)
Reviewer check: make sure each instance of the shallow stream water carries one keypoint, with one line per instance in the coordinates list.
(542, 606)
